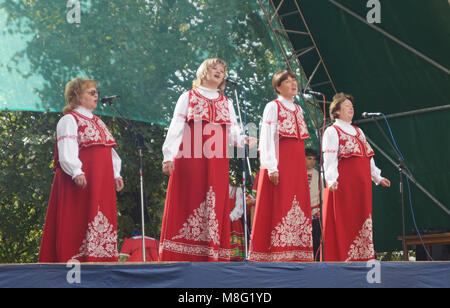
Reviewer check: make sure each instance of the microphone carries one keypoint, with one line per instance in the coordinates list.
(230, 81)
(310, 92)
(109, 99)
(366, 115)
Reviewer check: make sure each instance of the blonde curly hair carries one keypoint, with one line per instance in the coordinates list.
(203, 70)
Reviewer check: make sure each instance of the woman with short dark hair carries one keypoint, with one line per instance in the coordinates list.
(282, 230)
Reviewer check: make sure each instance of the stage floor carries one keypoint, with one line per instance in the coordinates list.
(227, 275)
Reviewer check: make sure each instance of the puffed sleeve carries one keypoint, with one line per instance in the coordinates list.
(330, 148)
(174, 136)
(268, 136)
(117, 163)
(375, 173)
(235, 132)
(66, 138)
(238, 210)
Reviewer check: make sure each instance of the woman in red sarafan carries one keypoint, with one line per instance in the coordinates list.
(282, 230)
(81, 222)
(196, 222)
(349, 168)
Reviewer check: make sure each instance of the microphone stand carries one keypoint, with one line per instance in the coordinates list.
(245, 163)
(321, 170)
(321, 178)
(140, 143)
(402, 169)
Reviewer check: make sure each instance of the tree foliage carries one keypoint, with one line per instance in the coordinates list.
(27, 142)
(26, 146)
(146, 51)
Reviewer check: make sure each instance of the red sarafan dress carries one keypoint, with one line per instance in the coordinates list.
(81, 223)
(347, 219)
(196, 222)
(282, 229)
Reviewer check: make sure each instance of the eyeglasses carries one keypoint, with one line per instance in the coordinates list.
(93, 92)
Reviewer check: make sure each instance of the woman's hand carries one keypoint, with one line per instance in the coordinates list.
(251, 141)
(80, 180)
(119, 184)
(334, 186)
(385, 182)
(168, 167)
(274, 177)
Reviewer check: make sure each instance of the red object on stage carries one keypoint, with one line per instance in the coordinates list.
(251, 196)
(282, 229)
(196, 222)
(81, 223)
(237, 244)
(132, 249)
(347, 212)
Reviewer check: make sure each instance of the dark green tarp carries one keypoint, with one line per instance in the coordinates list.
(148, 51)
(145, 51)
(385, 77)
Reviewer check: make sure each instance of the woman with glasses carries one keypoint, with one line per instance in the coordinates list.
(81, 222)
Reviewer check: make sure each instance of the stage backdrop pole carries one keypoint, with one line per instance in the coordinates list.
(402, 169)
(140, 143)
(245, 163)
(141, 181)
(319, 130)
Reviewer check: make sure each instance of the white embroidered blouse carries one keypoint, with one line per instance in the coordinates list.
(269, 133)
(330, 147)
(66, 134)
(174, 135)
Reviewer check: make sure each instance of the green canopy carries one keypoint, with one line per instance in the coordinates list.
(147, 52)
(398, 67)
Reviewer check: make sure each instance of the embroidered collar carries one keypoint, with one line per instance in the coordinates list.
(83, 111)
(288, 104)
(346, 127)
(208, 93)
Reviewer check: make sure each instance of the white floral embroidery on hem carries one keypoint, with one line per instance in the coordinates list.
(284, 256)
(203, 224)
(362, 246)
(295, 229)
(195, 250)
(101, 239)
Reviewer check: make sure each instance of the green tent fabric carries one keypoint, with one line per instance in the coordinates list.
(386, 77)
(147, 52)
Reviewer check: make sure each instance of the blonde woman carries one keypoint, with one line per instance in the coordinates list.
(196, 224)
(81, 220)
